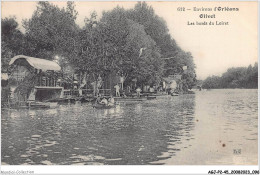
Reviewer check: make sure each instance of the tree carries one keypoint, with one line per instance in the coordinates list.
(142, 56)
(113, 45)
(12, 42)
(240, 77)
(130, 43)
(155, 27)
(51, 31)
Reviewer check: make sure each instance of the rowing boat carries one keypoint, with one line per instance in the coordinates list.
(42, 105)
(174, 94)
(103, 106)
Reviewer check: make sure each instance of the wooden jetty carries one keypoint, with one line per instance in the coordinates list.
(134, 98)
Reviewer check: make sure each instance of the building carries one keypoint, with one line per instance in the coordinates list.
(34, 79)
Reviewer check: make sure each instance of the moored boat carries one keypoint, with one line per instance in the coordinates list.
(151, 97)
(103, 106)
(174, 94)
(42, 105)
(130, 99)
(63, 100)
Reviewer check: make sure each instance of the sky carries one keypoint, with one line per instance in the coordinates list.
(215, 48)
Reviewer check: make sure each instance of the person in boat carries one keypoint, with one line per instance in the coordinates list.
(104, 101)
(111, 101)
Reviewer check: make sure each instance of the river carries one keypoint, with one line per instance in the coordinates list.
(215, 127)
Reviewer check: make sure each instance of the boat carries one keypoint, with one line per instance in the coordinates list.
(103, 106)
(63, 100)
(42, 105)
(190, 92)
(130, 99)
(85, 99)
(151, 97)
(174, 94)
(161, 94)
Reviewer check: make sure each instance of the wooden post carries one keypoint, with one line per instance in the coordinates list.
(8, 100)
(79, 78)
(40, 78)
(110, 82)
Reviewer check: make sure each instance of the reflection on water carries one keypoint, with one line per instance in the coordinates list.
(187, 129)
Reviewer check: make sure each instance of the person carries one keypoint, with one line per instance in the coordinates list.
(123, 94)
(138, 90)
(80, 92)
(117, 90)
(128, 89)
(99, 83)
(122, 79)
(94, 85)
(98, 100)
(151, 89)
(111, 101)
(104, 101)
(168, 90)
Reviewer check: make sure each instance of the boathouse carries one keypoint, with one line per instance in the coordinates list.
(34, 79)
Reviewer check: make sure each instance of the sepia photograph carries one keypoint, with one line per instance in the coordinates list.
(129, 83)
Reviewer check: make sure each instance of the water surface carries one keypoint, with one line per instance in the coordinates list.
(193, 129)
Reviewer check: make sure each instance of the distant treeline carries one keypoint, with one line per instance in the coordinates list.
(240, 77)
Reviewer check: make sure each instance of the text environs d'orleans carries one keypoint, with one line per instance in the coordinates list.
(212, 16)
(219, 9)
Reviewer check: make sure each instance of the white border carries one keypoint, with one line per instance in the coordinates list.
(129, 169)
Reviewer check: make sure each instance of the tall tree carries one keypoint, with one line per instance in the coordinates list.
(52, 31)
(175, 57)
(12, 41)
(155, 27)
(115, 43)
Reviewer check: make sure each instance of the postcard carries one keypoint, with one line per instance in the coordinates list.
(129, 83)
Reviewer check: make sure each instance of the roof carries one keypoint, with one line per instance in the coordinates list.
(38, 63)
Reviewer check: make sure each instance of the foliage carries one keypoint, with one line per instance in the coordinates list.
(51, 31)
(154, 26)
(157, 29)
(12, 41)
(130, 42)
(25, 87)
(5, 93)
(212, 82)
(175, 64)
(240, 77)
(114, 43)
